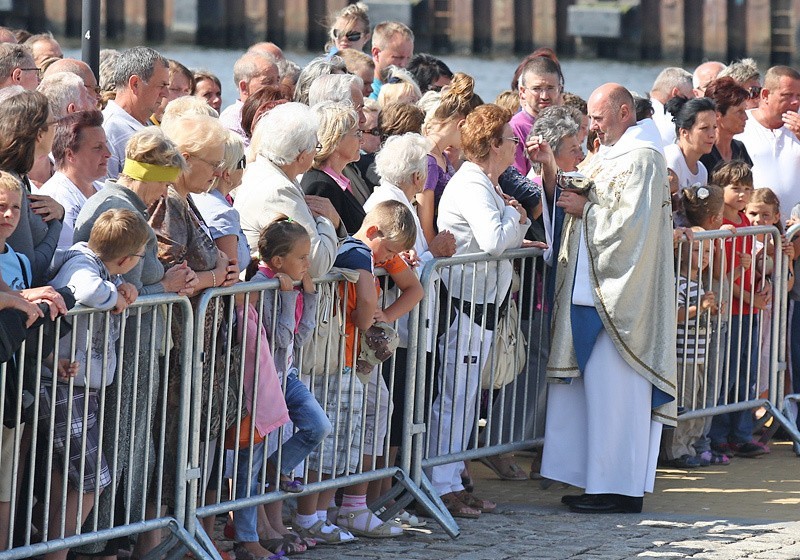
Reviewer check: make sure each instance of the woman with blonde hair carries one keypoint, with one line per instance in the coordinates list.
(339, 144)
(399, 86)
(442, 127)
(349, 28)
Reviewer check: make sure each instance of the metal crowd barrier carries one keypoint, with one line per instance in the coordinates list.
(735, 355)
(109, 433)
(452, 421)
(791, 402)
(356, 451)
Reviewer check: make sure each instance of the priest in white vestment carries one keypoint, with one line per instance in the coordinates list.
(612, 360)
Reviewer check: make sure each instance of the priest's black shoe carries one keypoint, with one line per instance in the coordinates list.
(608, 503)
(572, 499)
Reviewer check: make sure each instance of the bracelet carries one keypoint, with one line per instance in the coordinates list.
(213, 278)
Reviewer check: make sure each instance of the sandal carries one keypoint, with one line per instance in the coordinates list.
(713, 458)
(335, 536)
(409, 520)
(385, 530)
(310, 543)
(291, 485)
(471, 500)
(284, 546)
(504, 467)
(457, 508)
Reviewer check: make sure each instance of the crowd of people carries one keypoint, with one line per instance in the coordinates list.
(136, 182)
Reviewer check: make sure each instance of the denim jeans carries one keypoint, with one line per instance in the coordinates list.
(737, 427)
(245, 520)
(310, 421)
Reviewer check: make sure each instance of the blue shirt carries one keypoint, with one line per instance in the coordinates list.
(11, 264)
(222, 219)
(376, 88)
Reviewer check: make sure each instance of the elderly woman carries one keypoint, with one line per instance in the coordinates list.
(269, 190)
(481, 220)
(183, 239)
(218, 213)
(403, 167)
(339, 144)
(745, 72)
(269, 187)
(731, 104)
(151, 162)
(81, 154)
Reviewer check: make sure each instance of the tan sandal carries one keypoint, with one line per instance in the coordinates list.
(471, 500)
(457, 508)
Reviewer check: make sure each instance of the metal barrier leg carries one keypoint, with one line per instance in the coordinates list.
(785, 422)
(431, 502)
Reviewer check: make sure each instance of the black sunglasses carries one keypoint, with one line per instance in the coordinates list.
(754, 92)
(374, 131)
(351, 35)
(242, 163)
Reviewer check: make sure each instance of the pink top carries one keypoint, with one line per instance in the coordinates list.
(521, 124)
(340, 179)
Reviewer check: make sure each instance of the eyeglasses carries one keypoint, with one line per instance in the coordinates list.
(358, 133)
(95, 89)
(351, 36)
(373, 131)
(512, 138)
(754, 92)
(218, 166)
(318, 147)
(242, 163)
(138, 255)
(539, 90)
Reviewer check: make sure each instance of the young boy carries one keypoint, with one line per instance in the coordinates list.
(387, 230)
(92, 271)
(732, 433)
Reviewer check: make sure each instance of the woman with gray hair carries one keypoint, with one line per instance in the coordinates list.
(402, 165)
(320, 66)
(269, 187)
(339, 144)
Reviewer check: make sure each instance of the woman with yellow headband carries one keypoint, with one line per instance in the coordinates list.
(152, 162)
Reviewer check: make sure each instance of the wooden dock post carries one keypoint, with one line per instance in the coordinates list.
(715, 30)
(462, 30)
(672, 30)
(757, 36)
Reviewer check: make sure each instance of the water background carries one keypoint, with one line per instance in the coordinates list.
(492, 75)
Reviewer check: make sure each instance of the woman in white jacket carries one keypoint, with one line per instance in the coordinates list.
(482, 220)
(269, 187)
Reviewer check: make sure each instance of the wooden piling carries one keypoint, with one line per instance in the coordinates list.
(715, 30)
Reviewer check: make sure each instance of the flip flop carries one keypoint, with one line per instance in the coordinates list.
(504, 467)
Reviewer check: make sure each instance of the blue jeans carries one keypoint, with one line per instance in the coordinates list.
(310, 421)
(245, 520)
(737, 427)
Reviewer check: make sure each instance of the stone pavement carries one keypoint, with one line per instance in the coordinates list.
(750, 509)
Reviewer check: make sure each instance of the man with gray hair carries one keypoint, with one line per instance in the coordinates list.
(80, 68)
(141, 80)
(65, 94)
(253, 71)
(392, 44)
(671, 82)
(17, 67)
(43, 46)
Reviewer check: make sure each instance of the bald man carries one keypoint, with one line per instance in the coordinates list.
(80, 68)
(253, 71)
(613, 382)
(704, 75)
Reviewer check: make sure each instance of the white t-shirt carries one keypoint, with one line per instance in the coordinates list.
(64, 191)
(663, 120)
(776, 160)
(677, 163)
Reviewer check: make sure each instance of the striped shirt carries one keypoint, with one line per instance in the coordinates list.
(692, 332)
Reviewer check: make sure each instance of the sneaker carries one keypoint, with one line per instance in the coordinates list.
(685, 462)
(751, 449)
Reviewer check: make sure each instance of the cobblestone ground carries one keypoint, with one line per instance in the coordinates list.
(748, 510)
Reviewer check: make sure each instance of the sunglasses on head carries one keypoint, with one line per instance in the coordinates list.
(351, 35)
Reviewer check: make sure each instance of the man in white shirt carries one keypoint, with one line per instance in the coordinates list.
(773, 147)
(141, 80)
(253, 71)
(671, 82)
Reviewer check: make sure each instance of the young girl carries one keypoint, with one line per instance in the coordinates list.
(702, 206)
(764, 210)
(284, 247)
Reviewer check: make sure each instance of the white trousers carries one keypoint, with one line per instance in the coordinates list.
(453, 416)
(599, 434)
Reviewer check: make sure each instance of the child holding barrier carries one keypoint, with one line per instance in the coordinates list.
(92, 271)
(732, 432)
(284, 247)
